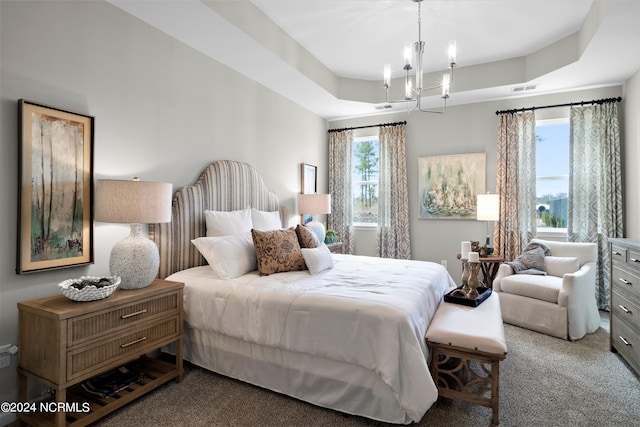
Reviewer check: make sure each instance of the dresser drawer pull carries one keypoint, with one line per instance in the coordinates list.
(634, 259)
(624, 341)
(625, 309)
(626, 282)
(616, 253)
(137, 313)
(144, 338)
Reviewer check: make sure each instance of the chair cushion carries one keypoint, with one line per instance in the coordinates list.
(561, 265)
(545, 288)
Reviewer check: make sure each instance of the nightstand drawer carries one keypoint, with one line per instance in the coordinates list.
(625, 309)
(628, 283)
(90, 358)
(84, 328)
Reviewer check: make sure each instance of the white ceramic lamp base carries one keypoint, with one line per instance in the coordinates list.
(135, 259)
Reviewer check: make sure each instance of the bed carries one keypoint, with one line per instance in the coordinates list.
(349, 337)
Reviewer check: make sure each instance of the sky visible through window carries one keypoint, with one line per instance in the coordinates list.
(552, 158)
(552, 174)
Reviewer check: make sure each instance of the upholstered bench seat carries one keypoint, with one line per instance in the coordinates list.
(467, 345)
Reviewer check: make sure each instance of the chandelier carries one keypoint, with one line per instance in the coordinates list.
(413, 93)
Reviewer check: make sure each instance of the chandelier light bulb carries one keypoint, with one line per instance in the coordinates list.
(452, 52)
(387, 75)
(407, 56)
(445, 85)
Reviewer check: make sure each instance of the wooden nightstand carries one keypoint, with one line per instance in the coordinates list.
(336, 248)
(63, 343)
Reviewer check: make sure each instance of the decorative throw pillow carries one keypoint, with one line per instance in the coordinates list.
(530, 262)
(265, 221)
(277, 251)
(221, 223)
(228, 256)
(318, 259)
(560, 265)
(306, 237)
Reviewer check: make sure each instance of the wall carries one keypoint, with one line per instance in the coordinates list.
(162, 112)
(631, 152)
(471, 128)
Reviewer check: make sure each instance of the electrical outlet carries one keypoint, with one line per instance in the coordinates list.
(5, 356)
(5, 360)
(444, 263)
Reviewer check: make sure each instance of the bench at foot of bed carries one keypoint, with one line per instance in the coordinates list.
(466, 346)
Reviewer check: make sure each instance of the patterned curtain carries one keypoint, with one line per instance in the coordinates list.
(516, 178)
(341, 218)
(595, 185)
(393, 201)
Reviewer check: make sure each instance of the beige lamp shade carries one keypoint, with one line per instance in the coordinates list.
(314, 204)
(133, 202)
(488, 207)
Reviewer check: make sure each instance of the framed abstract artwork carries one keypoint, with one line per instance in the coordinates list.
(55, 178)
(448, 185)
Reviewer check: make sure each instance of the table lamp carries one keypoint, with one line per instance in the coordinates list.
(488, 206)
(315, 204)
(135, 258)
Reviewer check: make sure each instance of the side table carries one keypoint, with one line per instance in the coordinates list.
(490, 266)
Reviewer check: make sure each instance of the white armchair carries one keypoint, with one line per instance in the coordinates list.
(562, 303)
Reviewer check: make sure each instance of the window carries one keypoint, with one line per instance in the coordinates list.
(552, 174)
(365, 170)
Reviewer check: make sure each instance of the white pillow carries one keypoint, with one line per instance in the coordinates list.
(220, 223)
(317, 259)
(560, 265)
(265, 221)
(228, 256)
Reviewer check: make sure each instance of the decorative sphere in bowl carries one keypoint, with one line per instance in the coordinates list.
(89, 288)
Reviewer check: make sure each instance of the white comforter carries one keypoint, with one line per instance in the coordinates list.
(371, 312)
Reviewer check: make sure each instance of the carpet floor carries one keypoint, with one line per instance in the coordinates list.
(544, 381)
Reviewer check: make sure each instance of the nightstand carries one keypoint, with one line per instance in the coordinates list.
(63, 343)
(336, 248)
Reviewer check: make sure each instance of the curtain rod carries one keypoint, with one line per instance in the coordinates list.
(371, 126)
(594, 101)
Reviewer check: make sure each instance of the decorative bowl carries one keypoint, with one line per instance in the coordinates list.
(89, 288)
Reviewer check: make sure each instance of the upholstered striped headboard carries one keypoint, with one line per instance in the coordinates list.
(224, 185)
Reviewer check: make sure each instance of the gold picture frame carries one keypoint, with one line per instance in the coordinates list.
(55, 179)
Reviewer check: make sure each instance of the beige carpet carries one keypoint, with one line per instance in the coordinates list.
(545, 381)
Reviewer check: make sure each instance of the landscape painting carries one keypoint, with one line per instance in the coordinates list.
(54, 213)
(448, 185)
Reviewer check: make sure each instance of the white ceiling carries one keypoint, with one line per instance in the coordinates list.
(328, 55)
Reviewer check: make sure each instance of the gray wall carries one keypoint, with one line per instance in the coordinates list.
(162, 112)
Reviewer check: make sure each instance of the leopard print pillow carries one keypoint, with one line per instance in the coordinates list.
(277, 251)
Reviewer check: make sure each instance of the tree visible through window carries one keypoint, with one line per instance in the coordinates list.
(365, 180)
(552, 173)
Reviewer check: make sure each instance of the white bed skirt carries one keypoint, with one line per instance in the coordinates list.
(327, 383)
